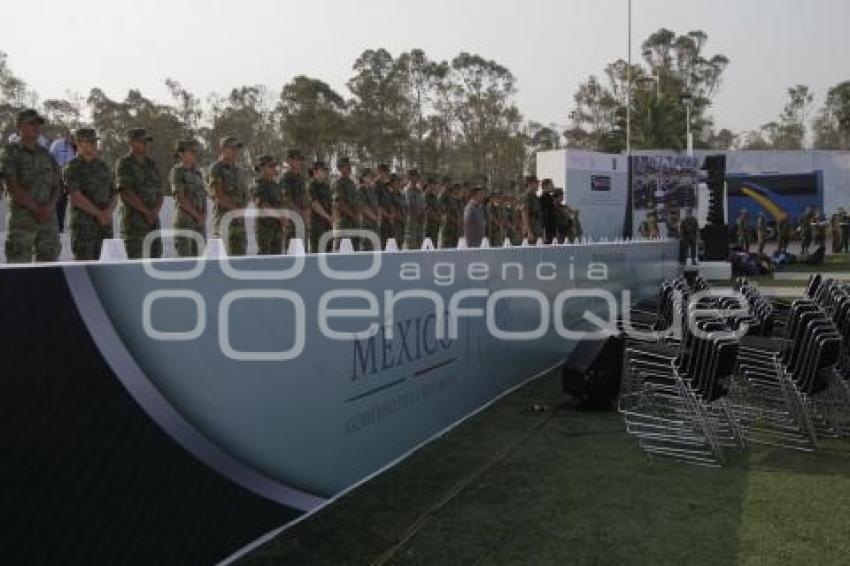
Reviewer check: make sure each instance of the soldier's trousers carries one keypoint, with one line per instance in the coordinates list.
(413, 239)
(26, 237)
(386, 234)
(688, 249)
(447, 238)
(134, 230)
(188, 247)
(269, 235)
(87, 237)
(235, 236)
(316, 232)
(367, 244)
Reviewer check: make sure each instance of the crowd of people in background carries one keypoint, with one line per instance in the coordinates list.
(43, 181)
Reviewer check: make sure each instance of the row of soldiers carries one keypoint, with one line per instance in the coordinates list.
(379, 201)
(812, 229)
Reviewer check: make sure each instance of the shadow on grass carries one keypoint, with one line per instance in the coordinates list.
(515, 486)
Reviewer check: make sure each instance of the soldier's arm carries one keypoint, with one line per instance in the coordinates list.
(221, 197)
(21, 196)
(320, 210)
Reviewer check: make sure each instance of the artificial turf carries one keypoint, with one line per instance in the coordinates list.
(514, 486)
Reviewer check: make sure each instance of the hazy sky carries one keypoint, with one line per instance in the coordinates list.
(549, 45)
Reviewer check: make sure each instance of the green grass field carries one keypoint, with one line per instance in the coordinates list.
(517, 487)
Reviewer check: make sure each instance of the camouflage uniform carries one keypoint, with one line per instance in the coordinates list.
(233, 185)
(449, 221)
(531, 205)
(93, 180)
(34, 171)
(320, 192)
(401, 216)
(783, 232)
(387, 206)
(142, 177)
(189, 184)
(414, 232)
(298, 200)
(432, 216)
(344, 194)
(369, 198)
(268, 230)
(496, 217)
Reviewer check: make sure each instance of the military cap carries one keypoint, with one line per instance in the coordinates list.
(320, 165)
(138, 134)
(85, 134)
(294, 154)
(265, 161)
(30, 116)
(343, 161)
(186, 145)
(393, 178)
(383, 168)
(530, 179)
(229, 141)
(413, 173)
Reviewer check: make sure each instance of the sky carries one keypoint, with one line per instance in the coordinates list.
(551, 46)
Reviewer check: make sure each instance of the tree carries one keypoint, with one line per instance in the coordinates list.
(312, 116)
(246, 113)
(377, 121)
(832, 126)
(675, 72)
(483, 107)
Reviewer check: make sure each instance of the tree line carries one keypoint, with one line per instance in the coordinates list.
(456, 117)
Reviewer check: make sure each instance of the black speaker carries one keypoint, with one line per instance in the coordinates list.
(715, 233)
(593, 371)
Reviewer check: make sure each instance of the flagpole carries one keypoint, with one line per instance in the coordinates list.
(629, 86)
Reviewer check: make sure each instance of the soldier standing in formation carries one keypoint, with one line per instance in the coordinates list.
(449, 216)
(142, 194)
(385, 203)
(269, 195)
(761, 232)
(228, 190)
(93, 197)
(415, 205)
(295, 187)
(345, 202)
(496, 220)
(400, 207)
(783, 230)
(806, 230)
(32, 180)
(321, 205)
(190, 196)
(432, 211)
(531, 220)
(370, 210)
(689, 234)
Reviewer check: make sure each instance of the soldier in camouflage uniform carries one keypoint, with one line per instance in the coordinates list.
(415, 204)
(345, 202)
(496, 220)
(295, 186)
(432, 211)
(321, 204)
(531, 215)
(449, 218)
(190, 196)
(93, 197)
(32, 180)
(371, 219)
(230, 194)
(385, 203)
(270, 195)
(140, 186)
(400, 209)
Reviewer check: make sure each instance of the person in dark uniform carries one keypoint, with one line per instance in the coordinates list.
(547, 211)
(689, 234)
